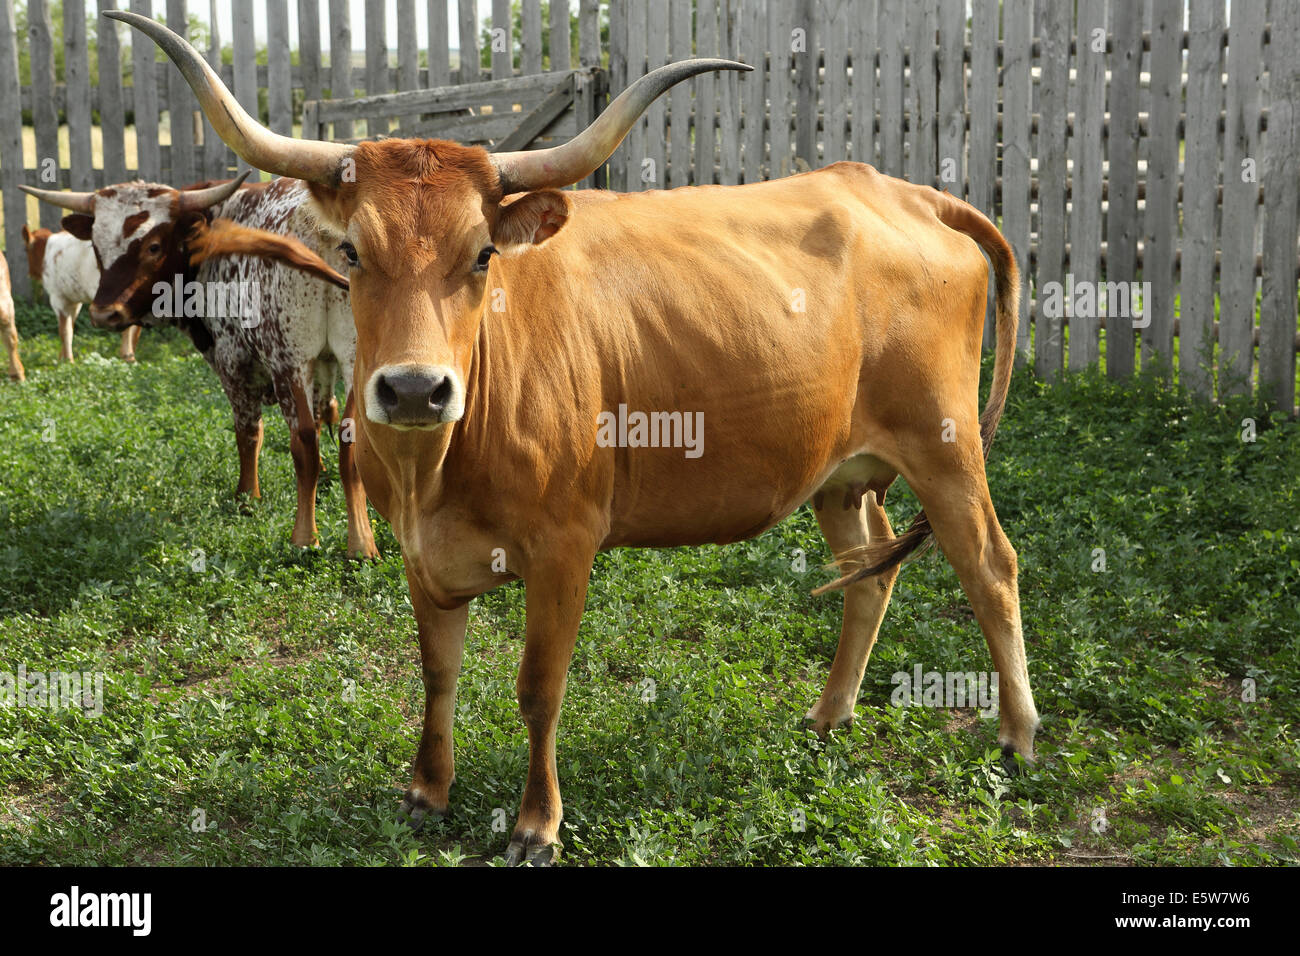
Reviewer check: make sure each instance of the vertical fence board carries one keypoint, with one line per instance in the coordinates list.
(561, 53)
(216, 155)
(112, 107)
(922, 99)
(503, 40)
(309, 63)
(1240, 197)
(982, 158)
(706, 90)
(1054, 66)
(145, 102)
(1018, 28)
(181, 105)
(243, 41)
(45, 115)
(729, 85)
(753, 49)
(836, 96)
(11, 153)
(657, 54)
(863, 51)
(952, 97)
(893, 32)
(1277, 325)
(341, 60)
(636, 68)
(805, 79)
(408, 46)
(469, 53)
(1122, 221)
(679, 97)
(780, 21)
(589, 34)
(76, 79)
(618, 79)
(1201, 182)
(530, 37)
(439, 45)
(1160, 234)
(377, 80)
(1085, 192)
(279, 83)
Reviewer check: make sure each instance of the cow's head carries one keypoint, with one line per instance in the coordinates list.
(420, 223)
(141, 234)
(34, 241)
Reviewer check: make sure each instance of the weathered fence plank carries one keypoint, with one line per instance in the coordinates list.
(279, 89)
(952, 97)
(503, 40)
(112, 107)
(181, 106)
(805, 45)
(982, 156)
(1054, 70)
(145, 100)
(1160, 235)
(706, 91)
(76, 73)
(467, 16)
(1240, 198)
(680, 36)
(341, 60)
(1122, 220)
(530, 38)
(244, 41)
(862, 49)
(439, 45)
(216, 155)
(377, 62)
(557, 36)
(1201, 180)
(1017, 31)
(657, 54)
(408, 47)
(1277, 319)
(922, 97)
(729, 85)
(309, 49)
(45, 117)
(837, 98)
(753, 50)
(11, 153)
(1086, 202)
(620, 162)
(892, 31)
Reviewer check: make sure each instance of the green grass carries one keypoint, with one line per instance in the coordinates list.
(228, 691)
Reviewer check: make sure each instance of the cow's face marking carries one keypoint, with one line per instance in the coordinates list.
(421, 228)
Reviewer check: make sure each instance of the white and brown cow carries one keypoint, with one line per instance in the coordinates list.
(66, 268)
(274, 335)
(8, 330)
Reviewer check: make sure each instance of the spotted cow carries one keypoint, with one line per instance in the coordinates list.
(274, 335)
(66, 268)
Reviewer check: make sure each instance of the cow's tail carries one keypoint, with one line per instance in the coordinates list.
(963, 217)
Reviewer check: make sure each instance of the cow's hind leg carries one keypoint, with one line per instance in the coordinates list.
(304, 445)
(9, 331)
(953, 489)
(67, 323)
(849, 520)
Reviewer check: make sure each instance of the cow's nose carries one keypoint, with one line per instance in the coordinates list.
(413, 397)
(110, 317)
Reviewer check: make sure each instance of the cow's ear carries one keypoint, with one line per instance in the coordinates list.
(192, 225)
(531, 218)
(27, 236)
(79, 224)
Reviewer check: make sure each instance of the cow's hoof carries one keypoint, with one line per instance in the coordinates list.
(129, 359)
(1010, 764)
(822, 726)
(415, 810)
(529, 848)
(364, 553)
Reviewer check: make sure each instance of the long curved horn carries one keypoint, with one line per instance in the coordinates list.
(192, 200)
(77, 202)
(565, 164)
(255, 144)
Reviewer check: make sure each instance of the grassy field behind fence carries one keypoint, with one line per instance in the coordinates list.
(228, 697)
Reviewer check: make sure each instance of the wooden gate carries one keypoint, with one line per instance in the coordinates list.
(502, 115)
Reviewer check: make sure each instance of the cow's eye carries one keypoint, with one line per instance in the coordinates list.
(484, 257)
(349, 253)
(155, 248)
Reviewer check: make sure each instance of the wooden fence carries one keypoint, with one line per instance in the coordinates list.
(1113, 141)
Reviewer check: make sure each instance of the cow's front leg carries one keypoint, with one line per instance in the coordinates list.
(130, 336)
(442, 642)
(361, 539)
(556, 594)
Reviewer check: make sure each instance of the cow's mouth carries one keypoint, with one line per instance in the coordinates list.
(114, 318)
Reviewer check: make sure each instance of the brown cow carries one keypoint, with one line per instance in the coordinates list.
(825, 328)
